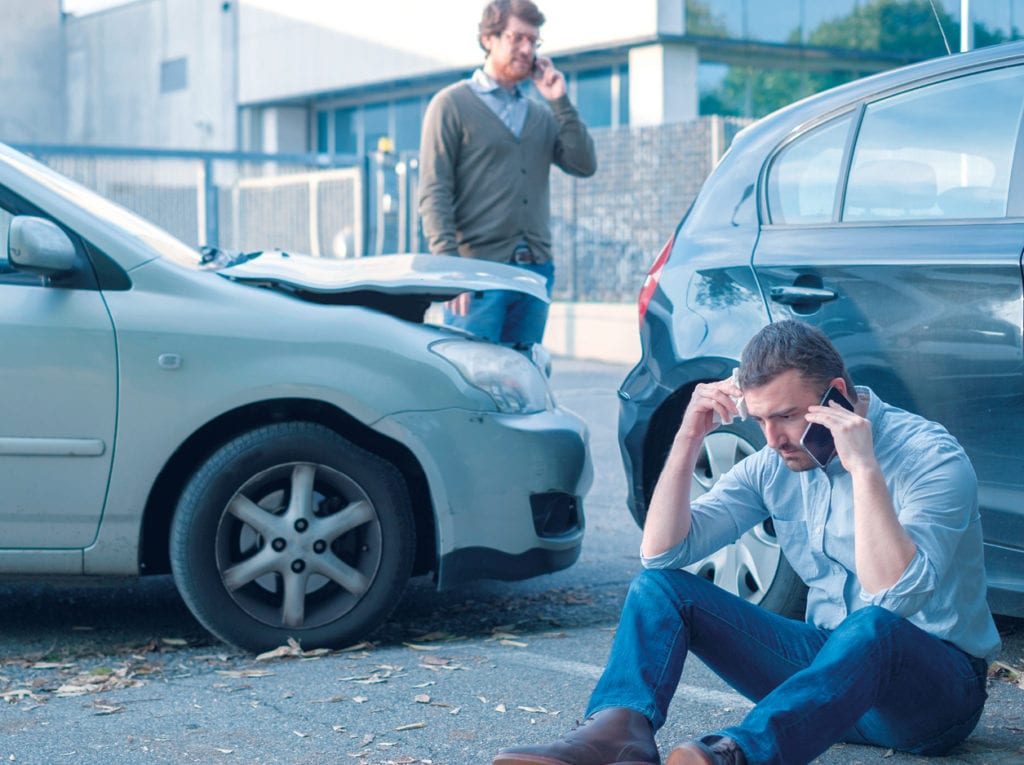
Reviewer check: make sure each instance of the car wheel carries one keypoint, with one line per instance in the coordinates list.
(291, 531)
(753, 567)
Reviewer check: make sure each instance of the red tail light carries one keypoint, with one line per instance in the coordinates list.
(651, 282)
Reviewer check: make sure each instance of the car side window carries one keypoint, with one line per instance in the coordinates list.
(803, 178)
(943, 151)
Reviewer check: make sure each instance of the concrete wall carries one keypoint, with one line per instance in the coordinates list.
(173, 73)
(31, 71)
(663, 84)
(153, 73)
(600, 331)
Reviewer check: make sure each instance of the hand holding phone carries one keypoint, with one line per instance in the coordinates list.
(549, 81)
(817, 440)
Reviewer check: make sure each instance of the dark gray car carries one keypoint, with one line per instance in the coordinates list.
(890, 213)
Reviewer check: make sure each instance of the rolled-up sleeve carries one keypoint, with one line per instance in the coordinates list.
(721, 516)
(935, 505)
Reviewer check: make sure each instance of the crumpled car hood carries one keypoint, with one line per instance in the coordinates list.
(440, 277)
(401, 285)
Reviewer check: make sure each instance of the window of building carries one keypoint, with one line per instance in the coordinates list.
(375, 126)
(623, 95)
(601, 96)
(322, 132)
(173, 75)
(346, 131)
(594, 97)
(408, 116)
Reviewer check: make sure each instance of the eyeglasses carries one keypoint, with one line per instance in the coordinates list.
(517, 38)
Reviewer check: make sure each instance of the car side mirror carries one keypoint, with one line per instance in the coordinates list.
(40, 246)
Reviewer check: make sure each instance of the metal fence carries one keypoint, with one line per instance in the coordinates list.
(607, 229)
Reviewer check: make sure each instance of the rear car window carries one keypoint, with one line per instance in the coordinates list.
(941, 151)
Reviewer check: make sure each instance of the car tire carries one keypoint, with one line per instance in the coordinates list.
(291, 531)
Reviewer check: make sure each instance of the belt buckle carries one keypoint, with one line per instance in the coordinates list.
(522, 255)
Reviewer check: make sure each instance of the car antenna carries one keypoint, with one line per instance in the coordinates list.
(942, 31)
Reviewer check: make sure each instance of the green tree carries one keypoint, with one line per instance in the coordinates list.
(905, 28)
(700, 22)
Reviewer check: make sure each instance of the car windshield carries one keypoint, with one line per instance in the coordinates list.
(153, 236)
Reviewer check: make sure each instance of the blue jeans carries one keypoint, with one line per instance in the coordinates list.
(876, 679)
(504, 317)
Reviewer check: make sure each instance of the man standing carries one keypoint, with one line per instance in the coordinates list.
(898, 635)
(485, 157)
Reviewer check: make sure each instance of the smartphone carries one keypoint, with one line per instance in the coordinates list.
(817, 440)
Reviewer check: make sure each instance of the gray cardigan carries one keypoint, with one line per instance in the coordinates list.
(482, 190)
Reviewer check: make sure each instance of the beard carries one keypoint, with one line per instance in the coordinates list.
(796, 459)
(514, 69)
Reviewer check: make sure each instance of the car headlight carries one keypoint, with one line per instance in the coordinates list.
(512, 380)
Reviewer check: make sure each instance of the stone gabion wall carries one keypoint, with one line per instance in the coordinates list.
(609, 228)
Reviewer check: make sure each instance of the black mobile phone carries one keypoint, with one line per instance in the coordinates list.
(817, 440)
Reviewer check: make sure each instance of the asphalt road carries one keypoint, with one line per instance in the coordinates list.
(123, 674)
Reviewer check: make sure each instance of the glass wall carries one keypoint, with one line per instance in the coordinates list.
(408, 114)
(860, 36)
(358, 129)
(346, 137)
(601, 95)
(376, 127)
(764, 70)
(798, 21)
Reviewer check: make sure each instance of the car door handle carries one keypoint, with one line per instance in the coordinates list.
(801, 295)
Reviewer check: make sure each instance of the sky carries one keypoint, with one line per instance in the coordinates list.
(88, 6)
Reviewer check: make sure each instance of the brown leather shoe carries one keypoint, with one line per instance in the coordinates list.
(709, 750)
(693, 753)
(610, 737)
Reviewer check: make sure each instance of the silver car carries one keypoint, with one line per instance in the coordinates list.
(283, 433)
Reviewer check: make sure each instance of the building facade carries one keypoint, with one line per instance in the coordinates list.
(32, 71)
(336, 76)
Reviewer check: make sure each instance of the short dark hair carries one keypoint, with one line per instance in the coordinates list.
(496, 13)
(787, 345)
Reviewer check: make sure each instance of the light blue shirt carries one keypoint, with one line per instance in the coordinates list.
(509, 105)
(934, 490)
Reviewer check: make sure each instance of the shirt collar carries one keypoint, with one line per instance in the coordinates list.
(482, 82)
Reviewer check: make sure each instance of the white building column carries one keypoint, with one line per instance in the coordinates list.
(663, 84)
(276, 130)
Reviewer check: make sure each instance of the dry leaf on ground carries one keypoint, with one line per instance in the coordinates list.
(411, 726)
